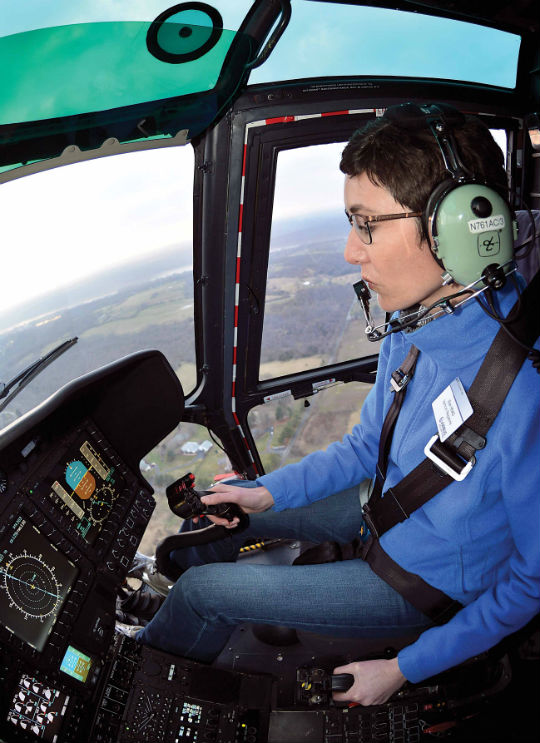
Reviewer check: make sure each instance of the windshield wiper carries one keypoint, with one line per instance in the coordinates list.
(12, 388)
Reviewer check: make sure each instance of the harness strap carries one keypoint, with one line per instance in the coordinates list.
(487, 393)
(400, 379)
(426, 598)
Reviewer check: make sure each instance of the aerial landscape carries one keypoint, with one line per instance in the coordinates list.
(311, 320)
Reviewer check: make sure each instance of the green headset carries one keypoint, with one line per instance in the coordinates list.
(470, 225)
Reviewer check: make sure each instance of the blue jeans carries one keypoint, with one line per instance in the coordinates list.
(340, 599)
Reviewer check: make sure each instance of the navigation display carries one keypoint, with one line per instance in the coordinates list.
(35, 579)
(38, 709)
(84, 486)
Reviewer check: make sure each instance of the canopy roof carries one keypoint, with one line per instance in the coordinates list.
(100, 78)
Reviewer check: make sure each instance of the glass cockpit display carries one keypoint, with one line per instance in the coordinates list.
(38, 709)
(84, 485)
(35, 579)
(76, 664)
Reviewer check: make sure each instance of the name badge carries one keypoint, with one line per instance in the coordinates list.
(451, 408)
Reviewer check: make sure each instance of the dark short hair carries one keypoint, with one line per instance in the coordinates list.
(407, 161)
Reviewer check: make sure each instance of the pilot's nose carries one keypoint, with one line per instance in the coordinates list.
(355, 250)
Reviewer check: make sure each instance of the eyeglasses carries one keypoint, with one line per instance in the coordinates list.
(361, 223)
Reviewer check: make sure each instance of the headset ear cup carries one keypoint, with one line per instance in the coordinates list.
(431, 214)
(472, 228)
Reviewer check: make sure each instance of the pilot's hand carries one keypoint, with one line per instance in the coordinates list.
(250, 500)
(374, 681)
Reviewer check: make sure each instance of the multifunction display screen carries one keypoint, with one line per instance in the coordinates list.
(84, 485)
(38, 709)
(35, 579)
(76, 664)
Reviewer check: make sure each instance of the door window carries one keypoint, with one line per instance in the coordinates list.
(312, 317)
(286, 430)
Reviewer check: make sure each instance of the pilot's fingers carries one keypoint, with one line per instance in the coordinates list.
(223, 522)
(221, 490)
(251, 500)
(374, 681)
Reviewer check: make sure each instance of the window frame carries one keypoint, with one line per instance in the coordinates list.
(249, 229)
(263, 149)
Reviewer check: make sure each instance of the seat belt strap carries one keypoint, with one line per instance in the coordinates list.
(399, 381)
(426, 598)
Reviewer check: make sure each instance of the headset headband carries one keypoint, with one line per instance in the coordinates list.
(441, 119)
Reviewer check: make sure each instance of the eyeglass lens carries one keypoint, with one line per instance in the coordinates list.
(361, 227)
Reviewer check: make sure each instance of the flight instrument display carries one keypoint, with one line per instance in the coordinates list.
(35, 579)
(84, 485)
(38, 709)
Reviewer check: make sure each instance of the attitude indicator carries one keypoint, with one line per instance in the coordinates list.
(84, 486)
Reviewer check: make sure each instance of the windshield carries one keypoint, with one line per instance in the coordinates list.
(79, 76)
(324, 40)
(102, 251)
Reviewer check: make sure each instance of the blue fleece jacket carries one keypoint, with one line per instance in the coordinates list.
(477, 540)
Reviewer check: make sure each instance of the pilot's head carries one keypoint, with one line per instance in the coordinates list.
(393, 166)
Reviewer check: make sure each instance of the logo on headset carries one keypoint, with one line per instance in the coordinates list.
(496, 222)
(489, 244)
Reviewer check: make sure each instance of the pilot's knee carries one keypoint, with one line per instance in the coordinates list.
(204, 588)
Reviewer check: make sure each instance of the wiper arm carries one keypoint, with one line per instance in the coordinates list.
(12, 388)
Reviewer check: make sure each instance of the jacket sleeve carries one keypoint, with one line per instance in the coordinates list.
(342, 464)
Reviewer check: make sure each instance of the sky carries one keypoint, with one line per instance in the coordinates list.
(83, 218)
(58, 225)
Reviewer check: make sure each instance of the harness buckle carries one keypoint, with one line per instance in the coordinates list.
(368, 519)
(457, 475)
(399, 380)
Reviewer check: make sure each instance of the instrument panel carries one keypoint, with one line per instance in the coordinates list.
(71, 528)
(73, 509)
(35, 581)
(84, 487)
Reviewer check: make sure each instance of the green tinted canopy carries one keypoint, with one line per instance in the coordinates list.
(80, 84)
